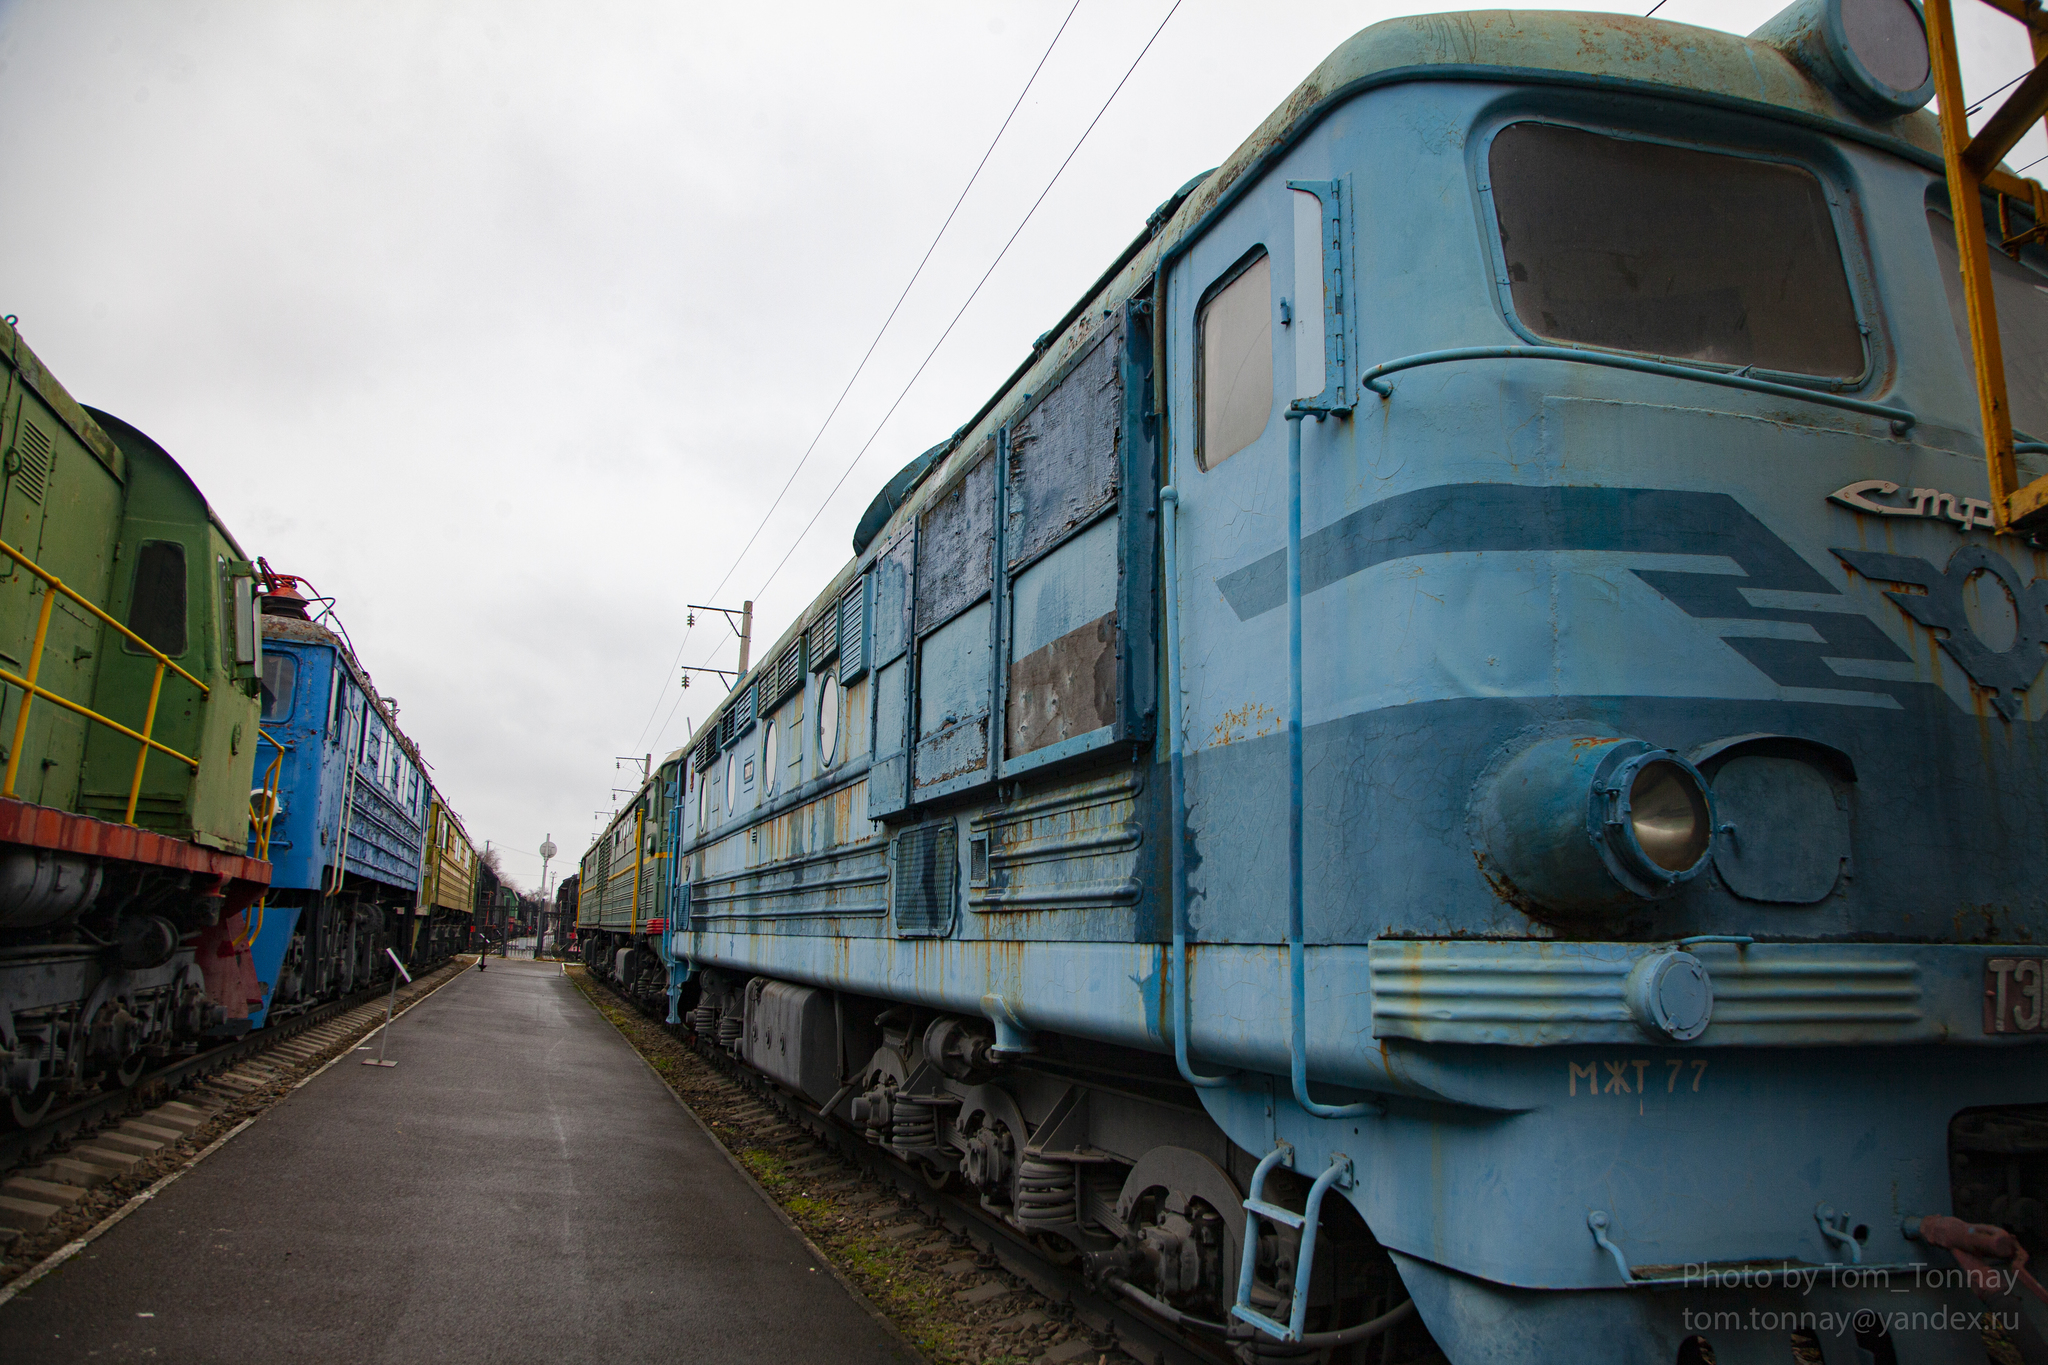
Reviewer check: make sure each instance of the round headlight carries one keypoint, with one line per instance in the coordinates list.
(1887, 39)
(1592, 822)
(1667, 813)
(1658, 818)
(1871, 52)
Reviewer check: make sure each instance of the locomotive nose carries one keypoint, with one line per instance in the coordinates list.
(1594, 822)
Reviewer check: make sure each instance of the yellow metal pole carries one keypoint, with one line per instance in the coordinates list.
(639, 850)
(1966, 204)
(35, 663)
(156, 687)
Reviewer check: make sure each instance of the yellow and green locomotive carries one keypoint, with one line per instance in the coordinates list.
(129, 659)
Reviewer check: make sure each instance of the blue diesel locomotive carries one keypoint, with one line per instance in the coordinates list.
(1454, 759)
(348, 840)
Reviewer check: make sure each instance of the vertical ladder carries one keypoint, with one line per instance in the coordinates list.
(1972, 166)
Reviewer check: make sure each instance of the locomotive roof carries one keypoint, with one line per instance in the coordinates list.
(313, 633)
(1619, 52)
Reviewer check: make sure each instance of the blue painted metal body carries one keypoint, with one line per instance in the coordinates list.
(352, 794)
(1507, 551)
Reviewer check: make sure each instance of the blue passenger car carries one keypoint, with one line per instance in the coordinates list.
(348, 838)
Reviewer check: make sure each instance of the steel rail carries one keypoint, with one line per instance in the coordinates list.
(1134, 1331)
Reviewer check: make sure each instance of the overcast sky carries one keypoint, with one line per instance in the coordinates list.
(505, 323)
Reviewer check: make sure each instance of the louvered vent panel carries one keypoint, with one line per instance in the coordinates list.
(725, 725)
(743, 713)
(706, 752)
(922, 887)
(32, 457)
(782, 679)
(824, 640)
(853, 634)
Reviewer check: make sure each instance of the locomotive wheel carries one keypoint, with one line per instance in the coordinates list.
(127, 1073)
(28, 1110)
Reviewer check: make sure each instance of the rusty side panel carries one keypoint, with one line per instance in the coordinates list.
(1065, 862)
(956, 536)
(1063, 455)
(892, 600)
(854, 735)
(806, 870)
(1066, 689)
(953, 700)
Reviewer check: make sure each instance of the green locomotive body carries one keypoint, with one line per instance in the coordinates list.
(129, 659)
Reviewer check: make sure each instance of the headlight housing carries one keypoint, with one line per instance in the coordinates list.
(1872, 53)
(1594, 822)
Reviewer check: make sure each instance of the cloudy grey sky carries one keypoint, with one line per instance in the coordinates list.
(505, 322)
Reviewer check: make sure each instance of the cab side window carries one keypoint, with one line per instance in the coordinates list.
(1234, 374)
(156, 607)
(280, 677)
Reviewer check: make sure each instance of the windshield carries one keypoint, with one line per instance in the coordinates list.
(2020, 294)
(1642, 246)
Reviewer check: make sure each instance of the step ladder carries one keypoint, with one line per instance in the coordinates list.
(1337, 1174)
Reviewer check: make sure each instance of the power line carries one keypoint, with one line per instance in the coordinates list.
(762, 591)
(677, 704)
(680, 647)
(868, 354)
(1996, 93)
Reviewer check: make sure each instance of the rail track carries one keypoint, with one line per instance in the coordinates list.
(57, 1175)
(1093, 1325)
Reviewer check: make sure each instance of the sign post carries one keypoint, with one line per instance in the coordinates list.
(389, 1001)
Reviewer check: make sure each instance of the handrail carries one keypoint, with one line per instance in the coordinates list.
(1297, 949)
(31, 689)
(264, 822)
(72, 593)
(253, 922)
(1177, 969)
(1900, 418)
(639, 859)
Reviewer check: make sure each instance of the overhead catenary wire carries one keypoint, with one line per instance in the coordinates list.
(911, 383)
(678, 703)
(868, 354)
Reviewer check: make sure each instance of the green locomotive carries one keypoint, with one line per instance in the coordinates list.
(129, 665)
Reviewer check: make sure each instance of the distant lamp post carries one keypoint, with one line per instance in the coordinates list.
(547, 853)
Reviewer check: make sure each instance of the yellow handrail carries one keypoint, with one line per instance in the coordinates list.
(254, 923)
(133, 638)
(270, 781)
(1971, 164)
(31, 690)
(639, 857)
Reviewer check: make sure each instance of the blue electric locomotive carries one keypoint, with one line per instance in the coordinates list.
(1458, 748)
(347, 841)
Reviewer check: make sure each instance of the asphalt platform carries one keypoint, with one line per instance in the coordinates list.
(518, 1188)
